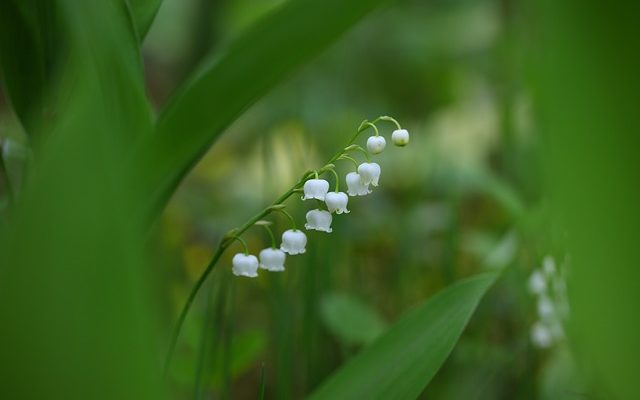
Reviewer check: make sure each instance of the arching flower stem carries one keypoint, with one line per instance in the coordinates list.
(277, 205)
(267, 226)
(361, 149)
(337, 179)
(346, 157)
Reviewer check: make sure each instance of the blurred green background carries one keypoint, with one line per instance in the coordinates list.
(521, 117)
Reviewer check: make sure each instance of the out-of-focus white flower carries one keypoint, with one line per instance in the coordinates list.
(548, 266)
(245, 265)
(541, 335)
(375, 144)
(369, 173)
(337, 202)
(293, 241)
(546, 309)
(400, 137)
(537, 282)
(319, 220)
(355, 185)
(272, 259)
(315, 189)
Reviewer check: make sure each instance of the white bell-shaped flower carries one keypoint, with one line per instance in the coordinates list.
(293, 242)
(369, 173)
(272, 259)
(541, 335)
(400, 137)
(319, 220)
(315, 189)
(337, 202)
(375, 144)
(245, 265)
(545, 307)
(355, 186)
(537, 282)
(549, 266)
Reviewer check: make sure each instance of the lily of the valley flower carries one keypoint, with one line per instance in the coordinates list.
(369, 173)
(355, 186)
(337, 202)
(375, 144)
(293, 241)
(245, 265)
(319, 220)
(315, 189)
(400, 137)
(537, 282)
(272, 259)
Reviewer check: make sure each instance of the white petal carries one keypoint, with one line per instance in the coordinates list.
(245, 265)
(272, 259)
(355, 185)
(319, 220)
(337, 202)
(293, 242)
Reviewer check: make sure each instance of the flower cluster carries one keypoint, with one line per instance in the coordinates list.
(548, 285)
(313, 187)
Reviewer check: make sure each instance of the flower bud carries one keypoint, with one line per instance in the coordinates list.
(400, 137)
(375, 144)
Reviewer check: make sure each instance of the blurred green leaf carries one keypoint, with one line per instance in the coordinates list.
(143, 13)
(28, 40)
(224, 87)
(401, 363)
(350, 320)
(74, 286)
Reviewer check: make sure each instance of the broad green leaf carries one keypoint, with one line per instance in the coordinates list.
(400, 364)
(74, 287)
(225, 86)
(352, 321)
(143, 13)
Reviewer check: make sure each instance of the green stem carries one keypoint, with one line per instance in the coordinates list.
(375, 128)
(387, 118)
(337, 179)
(273, 238)
(346, 157)
(185, 309)
(361, 149)
(244, 244)
(293, 221)
(5, 176)
(238, 231)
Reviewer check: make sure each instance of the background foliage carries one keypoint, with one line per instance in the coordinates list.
(112, 117)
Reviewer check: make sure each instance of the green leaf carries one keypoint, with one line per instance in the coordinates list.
(351, 320)
(400, 364)
(224, 87)
(28, 35)
(143, 13)
(74, 286)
